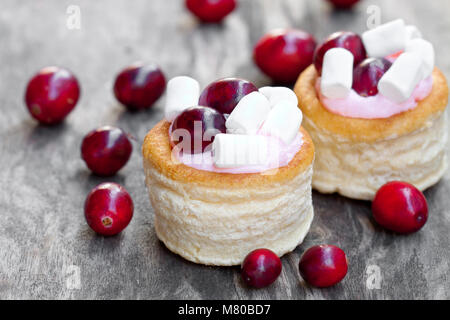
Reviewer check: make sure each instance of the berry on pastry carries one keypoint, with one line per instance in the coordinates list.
(343, 39)
(391, 124)
(231, 174)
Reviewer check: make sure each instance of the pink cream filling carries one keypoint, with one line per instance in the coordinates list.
(375, 107)
(280, 154)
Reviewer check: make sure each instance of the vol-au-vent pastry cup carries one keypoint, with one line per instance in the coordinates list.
(217, 218)
(355, 157)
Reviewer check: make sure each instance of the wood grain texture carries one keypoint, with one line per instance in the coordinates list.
(46, 248)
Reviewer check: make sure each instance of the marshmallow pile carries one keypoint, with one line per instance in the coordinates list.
(415, 63)
(271, 111)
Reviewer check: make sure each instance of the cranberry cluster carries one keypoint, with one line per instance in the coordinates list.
(54, 92)
(367, 71)
(321, 266)
(217, 100)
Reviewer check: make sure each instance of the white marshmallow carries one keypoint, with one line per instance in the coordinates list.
(412, 32)
(283, 121)
(249, 114)
(399, 82)
(426, 51)
(386, 39)
(182, 93)
(236, 150)
(277, 94)
(337, 73)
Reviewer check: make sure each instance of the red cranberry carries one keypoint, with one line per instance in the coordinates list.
(202, 125)
(284, 54)
(138, 87)
(344, 4)
(108, 209)
(343, 39)
(224, 95)
(400, 207)
(211, 11)
(261, 268)
(323, 266)
(52, 94)
(367, 75)
(106, 150)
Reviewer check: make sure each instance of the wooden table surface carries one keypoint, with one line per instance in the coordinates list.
(46, 248)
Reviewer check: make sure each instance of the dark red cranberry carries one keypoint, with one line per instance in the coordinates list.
(211, 11)
(344, 4)
(200, 124)
(139, 86)
(400, 207)
(261, 268)
(108, 209)
(343, 39)
(52, 94)
(284, 54)
(106, 150)
(224, 95)
(323, 266)
(367, 75)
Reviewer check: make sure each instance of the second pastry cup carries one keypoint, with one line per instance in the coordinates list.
(355, 157)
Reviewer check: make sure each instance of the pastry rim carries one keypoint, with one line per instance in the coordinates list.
(370, 130)
(156, 149)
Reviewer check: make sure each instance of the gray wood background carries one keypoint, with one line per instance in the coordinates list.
(46, 248)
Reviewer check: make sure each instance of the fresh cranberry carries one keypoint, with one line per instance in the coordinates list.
(139, 86)
(323, 266)
(343, 39)
(52, 94)
(400, 207)
(106, 150)
(261, 268)
(367, 75)
(283, 54)
(201, 124)
(344, 4)
(108, 209)
(211, 11)
(224, 95)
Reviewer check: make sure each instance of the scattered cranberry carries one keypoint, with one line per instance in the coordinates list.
(108, 209)
(52, 94)
(139, 86)
(261, 268)
(211, 11)
(367, 75)
(224, 95)
(202, 125)
(344, 4)
(323, 266)
(284, 54)
(343, 39)
(400, 207)
(106, 150)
